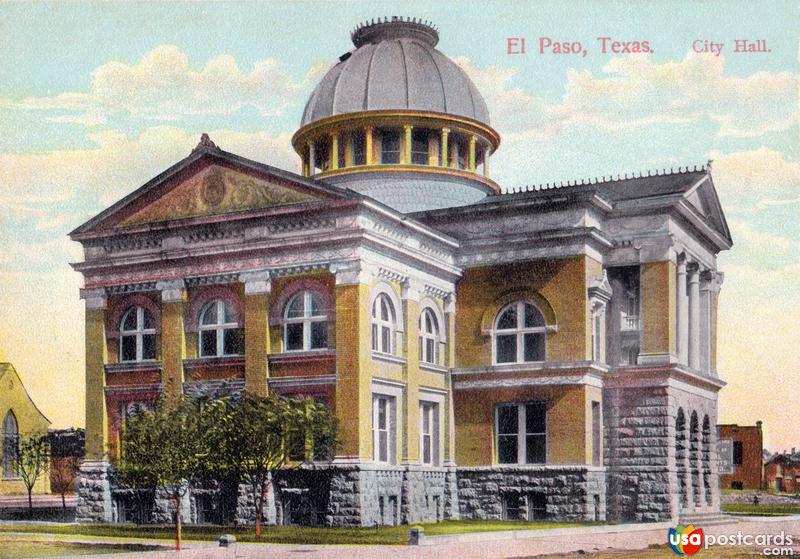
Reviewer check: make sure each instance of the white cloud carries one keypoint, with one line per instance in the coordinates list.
(163, 85)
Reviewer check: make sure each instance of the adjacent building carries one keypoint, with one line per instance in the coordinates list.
(547, 352)
(748, 456)
(782, 473)
(20, 418)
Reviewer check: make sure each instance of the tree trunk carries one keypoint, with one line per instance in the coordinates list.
(63, 502)
(30, 500)
(260, 507)
(177, 500)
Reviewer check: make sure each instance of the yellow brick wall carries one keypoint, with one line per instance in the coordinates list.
(96, 357)
(568, 430)
(659, 310)
(256, 343)
(30, 420)
(557, 287)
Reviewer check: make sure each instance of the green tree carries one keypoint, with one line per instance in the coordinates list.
(33, 460)
(165, 447)
(257, 437)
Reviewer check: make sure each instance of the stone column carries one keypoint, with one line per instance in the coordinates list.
(486, 162)
(444, 149)
(257, 288)
(94, 490)
(694, 317)
(706, 283)
(715, 288)
(683, 313)
(449, 457)
(173, 338)
(348, 149)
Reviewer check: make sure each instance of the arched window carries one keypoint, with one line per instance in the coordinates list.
(219, 330)
(383, 324)
(137, 335)
(519, 334)
(10, 442)
(428, 337)
(305, 322)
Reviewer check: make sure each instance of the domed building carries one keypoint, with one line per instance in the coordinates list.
(546, 353)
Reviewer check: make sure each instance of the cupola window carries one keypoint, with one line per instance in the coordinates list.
(390, 146)
(419, 146)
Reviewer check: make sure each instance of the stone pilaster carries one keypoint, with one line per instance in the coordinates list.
(450, 362)
(94, 492)
(706, 294)
(410, 414)
(658, 313)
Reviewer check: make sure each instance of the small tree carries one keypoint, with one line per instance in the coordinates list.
(33, 460)
(254, 438)
(164, 447)
(65, 470)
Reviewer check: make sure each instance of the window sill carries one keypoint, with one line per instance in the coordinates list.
(302, 356)
(214, 360)
(133, 366)
(433, 368)
(388, 358)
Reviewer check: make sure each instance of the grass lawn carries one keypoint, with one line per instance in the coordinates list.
(24, 548)
(381, 535)
(761, 510)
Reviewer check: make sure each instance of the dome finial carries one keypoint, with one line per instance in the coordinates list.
(398, 27)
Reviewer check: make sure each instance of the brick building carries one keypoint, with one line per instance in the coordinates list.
(547, 353)
(748, 456)
(782, 473)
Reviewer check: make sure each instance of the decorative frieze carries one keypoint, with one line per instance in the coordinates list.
(125, 289)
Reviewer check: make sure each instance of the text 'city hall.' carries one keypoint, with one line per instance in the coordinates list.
(540, 354)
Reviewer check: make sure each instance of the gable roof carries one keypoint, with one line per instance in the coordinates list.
(206, 153)
(8, 368)
(691, 189)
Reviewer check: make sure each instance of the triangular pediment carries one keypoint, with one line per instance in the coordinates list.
(212, 182)
(218, 190)
(703, 198)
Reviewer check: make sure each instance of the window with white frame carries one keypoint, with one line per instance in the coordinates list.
(383, 428)
(429, 433)
(519, 334)
(137, 335)
(522, 433)
(219, 330)
(428, 337)
(383, 324)
(305, 323)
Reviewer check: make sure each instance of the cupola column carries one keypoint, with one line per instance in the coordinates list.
(311, 156)
(368, 143)
(334, 150)
(407, 144)
(348, 150)
(445, 133)
(472, 140)
(486, 152)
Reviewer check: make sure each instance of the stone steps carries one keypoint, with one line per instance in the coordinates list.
(702, 519)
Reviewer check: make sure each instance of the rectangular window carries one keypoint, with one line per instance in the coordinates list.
(738, 453)
(208, 343)
(419, 146)
(359, 148)
(383, 428)
(233, 342)
(537, 506)
(429, 433)
(149, 346)
(128, 348)
(390, 147)
(507, 348)
(319, 335)
(294, 336)
(522, 433)
(511, 507)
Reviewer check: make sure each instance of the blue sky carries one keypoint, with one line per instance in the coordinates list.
(96, 98)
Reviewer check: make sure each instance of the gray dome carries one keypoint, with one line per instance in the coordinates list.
(395, 66)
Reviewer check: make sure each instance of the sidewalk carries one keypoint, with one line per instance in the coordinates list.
(497, 545)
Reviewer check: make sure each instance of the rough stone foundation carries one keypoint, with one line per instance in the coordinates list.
(94, 493)
(570, 493)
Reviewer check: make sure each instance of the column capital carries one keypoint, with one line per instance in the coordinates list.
(257, 282)
(681, 263)
(450, 303)
(408, 127)
(94, 298)
(350, 273)
(172, 291)
(412, 289)
(693, 269)
(445, 130)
